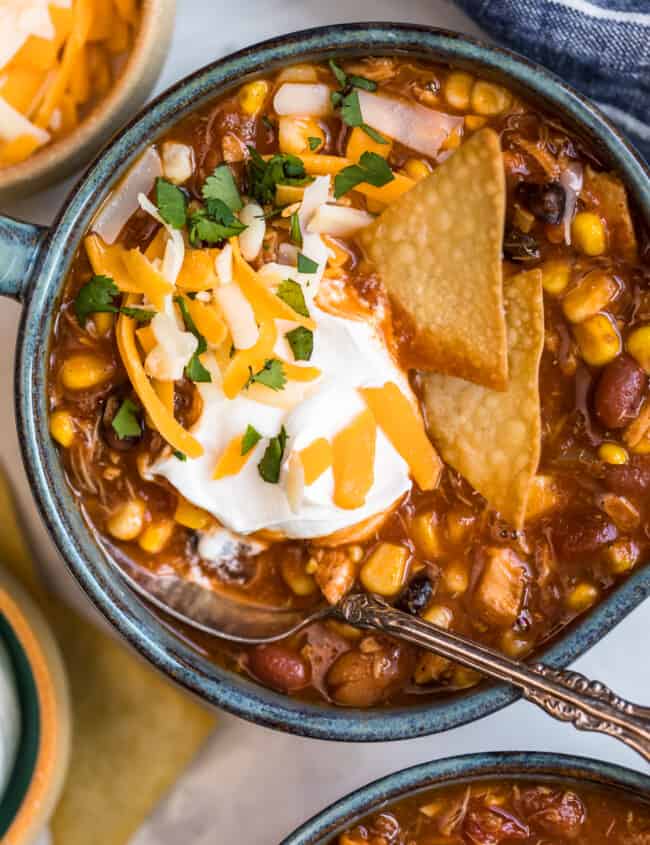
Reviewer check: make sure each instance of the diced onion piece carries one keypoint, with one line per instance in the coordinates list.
(251, 239)
(416, 126)
(175, 247)
(13, 125)
(168, 358)
(302, 98)
(177, 162)
(239, 316)
(340, 221)
(122, 202)
(295, 482)
(223, 265)
(571, 181)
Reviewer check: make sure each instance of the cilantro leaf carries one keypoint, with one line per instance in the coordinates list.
(372, 169)
(194, 370)
(291, 293)
(340, 75)
(280, 169)
(95, 296)
(314, 142)
(218, 211)
(372, 133)
(362, 82)
(181, 456)
(295, 235)
(271, 375)
(202, 228)
(269, 466)
(221, 186)
(301, 341)
(140, 315)
(171, 203)
(125, 422)
(306, 265)
(351, 109)
(250, 439)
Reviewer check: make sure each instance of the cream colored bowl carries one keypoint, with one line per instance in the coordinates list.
(56, 161)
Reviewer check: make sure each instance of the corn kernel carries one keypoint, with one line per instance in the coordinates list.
(383, 573)
(488, 99)
(622, 556)
(582, 596)
(439, 614)
(459, 521)
(474, 122)
(349, 839)
(523, 219)
(85, 371)
(311, 566)
(598, 340)
(638, 345)
(452, 141)
(360, 142)
(417, 169)
(300, 582)
(190, 516)
(155, 537)
(588, 233)
(252, 96)
(426, 535)
(612, 453)
(127, 521)
(103, 323)
(294, 134)
(456, 577)
(514, 644)
(458, 88)
(62, 428)
(594, 292)
(555, 276)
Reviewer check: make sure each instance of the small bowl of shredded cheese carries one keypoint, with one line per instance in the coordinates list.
(71, 72)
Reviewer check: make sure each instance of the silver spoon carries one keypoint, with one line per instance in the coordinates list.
(565, 695)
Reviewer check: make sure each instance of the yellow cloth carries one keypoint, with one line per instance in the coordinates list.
(133, 732)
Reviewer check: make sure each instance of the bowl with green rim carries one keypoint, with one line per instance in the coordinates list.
(33, 267)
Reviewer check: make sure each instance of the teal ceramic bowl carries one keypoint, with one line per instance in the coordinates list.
(33, 265)
(324, 827)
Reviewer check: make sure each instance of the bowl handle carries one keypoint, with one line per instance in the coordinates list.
(20, 244)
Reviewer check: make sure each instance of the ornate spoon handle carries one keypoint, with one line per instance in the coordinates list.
(567, 696)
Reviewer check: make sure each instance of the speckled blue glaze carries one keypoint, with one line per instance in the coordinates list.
(452, 770)
(39, 268)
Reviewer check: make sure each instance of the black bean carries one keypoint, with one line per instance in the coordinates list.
(416, 596)
(546, 202)
(518, 246)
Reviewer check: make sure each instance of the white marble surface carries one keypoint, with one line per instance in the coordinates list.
(251, 785)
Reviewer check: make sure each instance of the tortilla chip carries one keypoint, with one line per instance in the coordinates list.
(438, 252)
(494, 439)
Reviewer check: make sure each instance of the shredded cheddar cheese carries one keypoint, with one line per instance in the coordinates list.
(315, 459)
(231, 460)
(327, 165)
(353, 461)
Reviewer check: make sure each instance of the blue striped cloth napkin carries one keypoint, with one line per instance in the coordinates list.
(602, 47)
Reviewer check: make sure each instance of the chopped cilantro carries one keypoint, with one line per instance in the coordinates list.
(179, 455)
(340, 75)
(203, 228)
(98, 295)
(171, 203)
(269, 466)
(295, 235)
(362, 82)
(351, 114)
(372, 169)
(347, 100)
(301, 341)
(250, 439)
(314, 142)
(271, 375)
(221, 186)
(125, 422)
(280, 169)
(291, 293)
(306, 265)
(194, 370)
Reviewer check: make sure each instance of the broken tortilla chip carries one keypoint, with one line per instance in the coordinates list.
(438, 252)
(493, 439)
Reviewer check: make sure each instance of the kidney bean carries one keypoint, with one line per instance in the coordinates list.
(619, 392)
(631, 479)
(279, 667)
(581, 533)
(359, 679)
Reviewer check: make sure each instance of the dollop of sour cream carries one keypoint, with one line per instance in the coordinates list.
(350, 355)
(9, 719)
